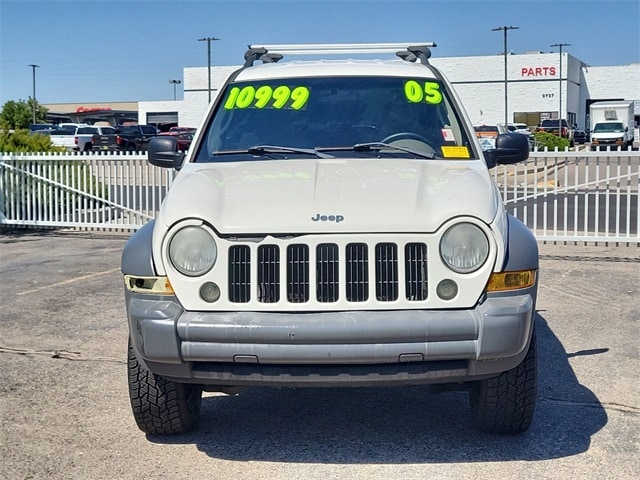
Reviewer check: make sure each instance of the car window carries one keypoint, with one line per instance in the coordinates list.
(41, 126)
(334, 112)
(611, 127)
(87, 130)
(553, 123)
(65, 131)
(484, 131)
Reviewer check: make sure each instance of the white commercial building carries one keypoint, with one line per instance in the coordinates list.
(539, 85)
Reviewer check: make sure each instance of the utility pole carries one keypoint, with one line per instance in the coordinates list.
(505, 29)
(175, 82)
(560, 45)
(208, 40)
(33, 67)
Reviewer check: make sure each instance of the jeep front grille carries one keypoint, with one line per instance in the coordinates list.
(415, 271)
(319, 271)
(386, 272)
(239, 274)
(357, 272)
(327, 263)
(268, 274)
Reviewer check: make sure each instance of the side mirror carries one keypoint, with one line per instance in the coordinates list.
(163, 152)
(509, 148)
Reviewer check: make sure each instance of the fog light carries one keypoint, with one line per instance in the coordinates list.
(210, 292)
(447, 289)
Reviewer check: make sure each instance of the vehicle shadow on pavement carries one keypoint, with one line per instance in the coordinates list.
(395, 425)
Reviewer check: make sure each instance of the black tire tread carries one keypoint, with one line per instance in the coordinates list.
(160, 406)
(505, 404)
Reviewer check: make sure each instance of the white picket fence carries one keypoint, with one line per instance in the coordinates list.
(577, 196)
(115, 191)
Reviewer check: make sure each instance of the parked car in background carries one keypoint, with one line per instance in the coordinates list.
(42, 126)
(522, 128)
(580, 137)
(184, 138)
(487, 135)
(551, 126)
(182, 130)
(135, 138)
(72, 126)
(60, 136)
(612, 124)
(93, 137)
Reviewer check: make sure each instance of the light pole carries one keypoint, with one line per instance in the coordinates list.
(33, 67)
(505, 28)
(208, 40)
(175, 82)
(560, 45)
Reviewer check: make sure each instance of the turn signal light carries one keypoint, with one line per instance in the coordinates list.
(511, 280)
(150, 285)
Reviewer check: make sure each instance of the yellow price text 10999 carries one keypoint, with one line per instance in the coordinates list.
(267, 97)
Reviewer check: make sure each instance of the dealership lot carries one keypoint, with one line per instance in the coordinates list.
(64, 410)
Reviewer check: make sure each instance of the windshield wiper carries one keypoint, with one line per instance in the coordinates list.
(373, 146)
(260, 150)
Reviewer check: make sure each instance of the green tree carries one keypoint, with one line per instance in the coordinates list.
(550, 141)
(20, 114)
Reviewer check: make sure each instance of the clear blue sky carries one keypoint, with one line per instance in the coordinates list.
(110, 51)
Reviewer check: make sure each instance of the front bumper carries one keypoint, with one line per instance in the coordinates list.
(604, 144)
(353, 348)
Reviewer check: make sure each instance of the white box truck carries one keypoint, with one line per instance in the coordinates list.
(612, 124)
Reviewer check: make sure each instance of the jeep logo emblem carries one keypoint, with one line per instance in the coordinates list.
(327, 218)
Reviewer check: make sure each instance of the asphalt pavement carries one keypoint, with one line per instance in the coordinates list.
(65, 414)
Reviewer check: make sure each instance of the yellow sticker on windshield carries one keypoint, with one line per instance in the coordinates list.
(455, 152)
(428, 92)
(266, 96)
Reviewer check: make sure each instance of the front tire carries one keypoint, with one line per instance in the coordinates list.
(160, 406)
(505, 404)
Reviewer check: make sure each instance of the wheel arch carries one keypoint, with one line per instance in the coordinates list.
(137, 257)
(522, 247)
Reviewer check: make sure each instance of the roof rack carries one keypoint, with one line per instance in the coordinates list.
(406, 51)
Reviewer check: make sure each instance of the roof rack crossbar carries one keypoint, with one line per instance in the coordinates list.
(340, 48)
(409, 52)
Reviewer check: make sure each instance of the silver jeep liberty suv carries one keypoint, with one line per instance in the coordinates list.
(333, 224)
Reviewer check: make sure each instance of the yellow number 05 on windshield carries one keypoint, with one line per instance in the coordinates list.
(267, 96)
(429, 92)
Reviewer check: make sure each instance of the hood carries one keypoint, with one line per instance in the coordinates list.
(341, 195)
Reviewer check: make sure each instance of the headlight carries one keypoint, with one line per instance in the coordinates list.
(193, 251)
(464, 248)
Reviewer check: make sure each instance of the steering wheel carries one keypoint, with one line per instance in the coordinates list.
(413, 137)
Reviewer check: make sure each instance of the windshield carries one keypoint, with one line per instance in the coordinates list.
(553, 123)
(614, 127)
(336, 114)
